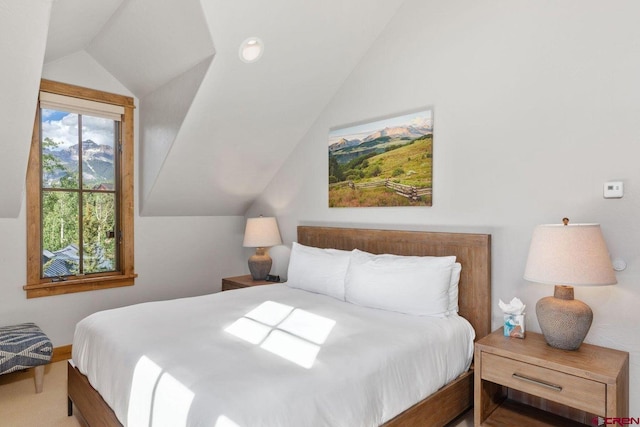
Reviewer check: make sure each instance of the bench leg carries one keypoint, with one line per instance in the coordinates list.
(39, 377)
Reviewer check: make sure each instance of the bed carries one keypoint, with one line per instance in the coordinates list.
(440, 407)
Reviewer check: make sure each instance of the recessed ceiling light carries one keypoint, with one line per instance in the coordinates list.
(251, 49)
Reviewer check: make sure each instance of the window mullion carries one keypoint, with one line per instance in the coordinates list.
(80, 201)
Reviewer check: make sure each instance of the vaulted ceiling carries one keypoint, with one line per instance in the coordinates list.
(213, 129)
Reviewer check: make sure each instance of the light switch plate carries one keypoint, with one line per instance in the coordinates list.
(613, 190)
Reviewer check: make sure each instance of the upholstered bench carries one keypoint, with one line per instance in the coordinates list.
(24, 346)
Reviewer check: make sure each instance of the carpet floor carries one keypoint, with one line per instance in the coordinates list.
(20, 406)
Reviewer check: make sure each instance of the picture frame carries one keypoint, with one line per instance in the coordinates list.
(382, 162)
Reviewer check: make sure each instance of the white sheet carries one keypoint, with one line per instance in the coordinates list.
(182, 363)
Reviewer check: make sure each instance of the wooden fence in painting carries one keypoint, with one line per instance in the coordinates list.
(408, 191)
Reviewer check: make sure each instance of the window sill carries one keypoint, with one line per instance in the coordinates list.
(44, 289)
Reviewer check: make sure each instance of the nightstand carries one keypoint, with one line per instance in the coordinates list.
(526, 382)
(238, 282)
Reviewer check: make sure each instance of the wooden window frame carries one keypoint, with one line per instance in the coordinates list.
(39, 287)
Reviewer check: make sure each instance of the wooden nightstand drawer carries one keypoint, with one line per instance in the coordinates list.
(591, 381)
(580, 393)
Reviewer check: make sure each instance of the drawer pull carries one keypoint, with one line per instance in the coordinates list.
(538, 382)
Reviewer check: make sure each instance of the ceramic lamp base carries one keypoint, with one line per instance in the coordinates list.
(260, 264)
(564, 321)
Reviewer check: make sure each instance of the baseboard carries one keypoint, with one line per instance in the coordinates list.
(61, 353)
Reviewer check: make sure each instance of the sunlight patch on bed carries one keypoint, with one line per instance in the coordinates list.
(270, 313)
(307, 325)
(291, 333)
(249, 330)
(145, 378)
(292, 348)
(172, 403)
(223, 421)
(157, 398)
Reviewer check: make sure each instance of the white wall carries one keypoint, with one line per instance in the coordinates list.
(537, 104)
(174, 256)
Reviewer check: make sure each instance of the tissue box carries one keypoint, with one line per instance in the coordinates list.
(514, 325)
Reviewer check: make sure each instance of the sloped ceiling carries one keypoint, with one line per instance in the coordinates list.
(213, 130)
(147, 43)
(246, 118)
(69, 34)
(23, 31)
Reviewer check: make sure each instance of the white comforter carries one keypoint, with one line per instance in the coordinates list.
(266, 356)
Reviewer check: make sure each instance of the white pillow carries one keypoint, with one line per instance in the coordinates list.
(318, 270)
(453, 288)
(406, 284)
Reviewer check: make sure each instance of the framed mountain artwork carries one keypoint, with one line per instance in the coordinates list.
(386, 162)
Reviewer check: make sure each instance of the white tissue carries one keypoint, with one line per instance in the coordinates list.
(514, 307)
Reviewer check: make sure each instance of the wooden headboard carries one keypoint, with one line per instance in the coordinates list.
(473, 251)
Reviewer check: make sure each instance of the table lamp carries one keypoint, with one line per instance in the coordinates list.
(567, 255)
(261, 233)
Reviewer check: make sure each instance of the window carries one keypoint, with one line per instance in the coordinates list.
(80, 192)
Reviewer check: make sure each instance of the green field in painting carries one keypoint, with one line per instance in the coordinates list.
(409, 164)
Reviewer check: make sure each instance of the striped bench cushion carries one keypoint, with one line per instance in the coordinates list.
(23, 346)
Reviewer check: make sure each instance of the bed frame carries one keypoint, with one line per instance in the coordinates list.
(473, 251)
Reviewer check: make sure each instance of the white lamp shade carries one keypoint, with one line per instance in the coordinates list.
(574, 254)
(261, 232)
